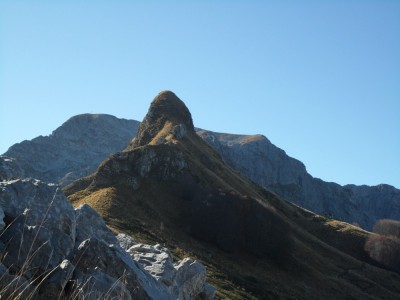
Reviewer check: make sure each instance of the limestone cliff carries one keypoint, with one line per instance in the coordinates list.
(74, 149)
(264, 163)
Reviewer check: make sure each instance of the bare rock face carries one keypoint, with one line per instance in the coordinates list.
(41, 224)
(264, 163)
(9, 169)
(185, 279)
(165, 108)
(74, 149)
(50, 249)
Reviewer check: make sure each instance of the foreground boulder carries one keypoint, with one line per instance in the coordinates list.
(51, 250)
(185, 279)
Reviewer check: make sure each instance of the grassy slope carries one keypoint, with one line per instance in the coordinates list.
(321, 263)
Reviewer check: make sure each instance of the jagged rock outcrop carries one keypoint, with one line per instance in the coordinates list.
(50, 250)
(74, 149)
(264, 163)
(185, 279)
(167, 112)
(171, 186)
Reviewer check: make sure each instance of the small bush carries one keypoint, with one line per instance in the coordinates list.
(387, 227)
(384, 245)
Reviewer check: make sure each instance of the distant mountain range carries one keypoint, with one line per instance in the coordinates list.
(76, 148)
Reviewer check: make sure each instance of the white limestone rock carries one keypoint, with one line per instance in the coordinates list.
(125, 241)
(185, 280)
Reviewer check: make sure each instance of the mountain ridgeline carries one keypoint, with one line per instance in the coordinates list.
(73, 150)
(171, 186)
(76, 148)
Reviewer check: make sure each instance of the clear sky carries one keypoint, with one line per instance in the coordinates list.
(320, 79)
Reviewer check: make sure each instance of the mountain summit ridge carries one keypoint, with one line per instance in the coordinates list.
(79, 145)
(171, 186)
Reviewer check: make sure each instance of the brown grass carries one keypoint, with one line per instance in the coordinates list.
(326, 259)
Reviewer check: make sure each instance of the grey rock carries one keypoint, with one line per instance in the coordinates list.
(9, 169)
(184, 280)
(54, 286)
(125, 241)
(208, 292)
(98, 249)
(190, 279)
(2, 224)
(156, 260)
(14, 286)
(75, 149)
(98, 285)
(94, 254)
(42, 225)
(52, 244)
(264, 163)
(89, 224)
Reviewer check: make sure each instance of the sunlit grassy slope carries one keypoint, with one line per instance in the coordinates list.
(179, 193)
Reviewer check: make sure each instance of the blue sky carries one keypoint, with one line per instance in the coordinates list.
(320, 79)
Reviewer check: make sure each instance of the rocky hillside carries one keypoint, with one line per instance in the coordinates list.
(51, 251)
(264, 163)
(73, 150)
(76, 148)
(170, 186)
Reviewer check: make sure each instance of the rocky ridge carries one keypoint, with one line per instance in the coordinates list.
(269, 166)
(76, 148)
(172, 186)
(51, 250)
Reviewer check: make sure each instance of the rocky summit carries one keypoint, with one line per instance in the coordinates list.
(166, 111)
(171, 187)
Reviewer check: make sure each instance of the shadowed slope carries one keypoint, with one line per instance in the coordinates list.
(171, 186)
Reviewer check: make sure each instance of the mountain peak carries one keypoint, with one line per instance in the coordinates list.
(167, 115)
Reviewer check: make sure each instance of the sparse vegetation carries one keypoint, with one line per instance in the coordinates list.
(384, 245)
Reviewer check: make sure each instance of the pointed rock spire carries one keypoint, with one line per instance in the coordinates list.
(166, 109)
